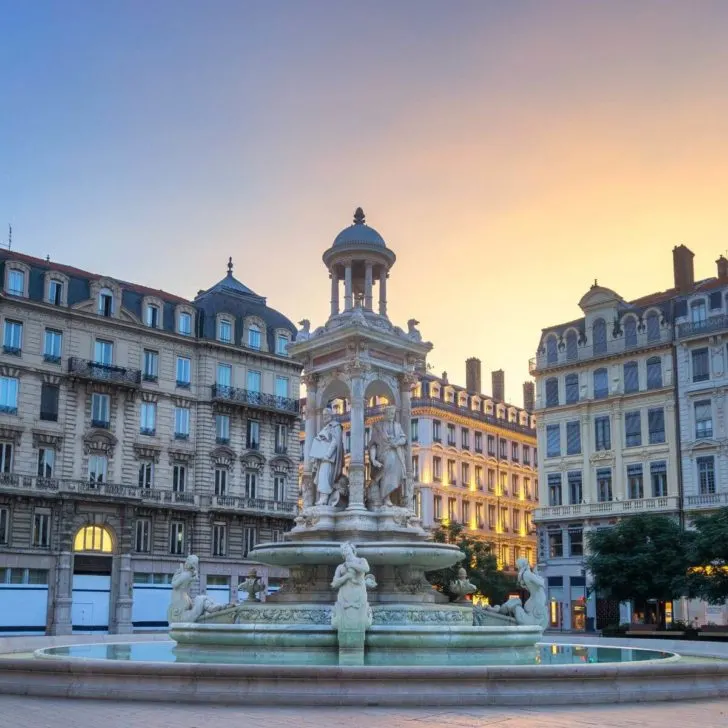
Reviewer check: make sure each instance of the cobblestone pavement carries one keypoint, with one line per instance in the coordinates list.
(19, 712)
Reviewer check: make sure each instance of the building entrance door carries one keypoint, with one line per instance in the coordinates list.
(91, 584)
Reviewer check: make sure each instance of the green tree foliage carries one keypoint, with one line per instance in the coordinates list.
(643, 557)
(480, 563)
(709, 554)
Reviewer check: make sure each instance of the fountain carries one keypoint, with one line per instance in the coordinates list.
(368, 507)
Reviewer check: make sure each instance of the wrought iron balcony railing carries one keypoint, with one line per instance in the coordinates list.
(104, 372)
(709, 325)
(251, 398)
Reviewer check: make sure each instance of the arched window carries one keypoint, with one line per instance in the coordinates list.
(630, 332)
(571, 342)
(599, 334)
(631, 377)
(106, 302)
(93, 538)
(552, 392)
(653, 326)
(254, 336)
(552, 355)
(601, 384)
(572, 388)
(654, 372)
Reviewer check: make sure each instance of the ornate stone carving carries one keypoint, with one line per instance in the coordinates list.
(412, 331)
(181, 456)
(253, 586)
(252, 460)
(413, 615)
(411, 581)
(352, 615)
(305, 331)
(182, 607)
(387, 456)
(146, 452)
(46, 439)
(11, 432)
(300, 580)
(461, 587)
(534, 611)
(99, 441)
(222, 456)
(327, 458)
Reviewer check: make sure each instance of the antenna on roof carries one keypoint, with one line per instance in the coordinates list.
(10, 236)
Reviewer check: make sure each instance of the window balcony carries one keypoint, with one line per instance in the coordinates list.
(262, 506)
(222, 440)
(257, 400)
(148, 431)
(8, 409)
(713, 324)
(49, 415)
(663, 504)
(51, 359)
(253, 445)
(706, 501)
(281, 450)
(12, 350)
(100, 424)
(183, 384)
(181, 435)
(150, 377)
(95, 372)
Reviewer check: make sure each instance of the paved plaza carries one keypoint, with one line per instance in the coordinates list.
(19, 712)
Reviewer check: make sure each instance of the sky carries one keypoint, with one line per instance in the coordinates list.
(510, 153)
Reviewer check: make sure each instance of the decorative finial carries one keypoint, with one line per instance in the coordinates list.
(230, 265)
(359, 218)
(595, 283)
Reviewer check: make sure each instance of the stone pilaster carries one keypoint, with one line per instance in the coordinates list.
(62, 603)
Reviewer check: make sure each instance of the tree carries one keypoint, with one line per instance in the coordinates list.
(643, 557)
(480, 563)
(708, 579)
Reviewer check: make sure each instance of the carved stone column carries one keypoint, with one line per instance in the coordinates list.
(63, 595)
(368, 287)
(311, 382)
(356, 462)
(334, 293)
(383, 292)
(406, 382)
(348, 301)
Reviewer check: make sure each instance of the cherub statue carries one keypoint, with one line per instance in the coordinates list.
(252, 586)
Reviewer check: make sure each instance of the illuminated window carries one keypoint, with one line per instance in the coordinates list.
(93, 538)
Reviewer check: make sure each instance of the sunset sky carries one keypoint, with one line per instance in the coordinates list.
(509, 152)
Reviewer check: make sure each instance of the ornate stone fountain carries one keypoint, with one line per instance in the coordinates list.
(364, 497)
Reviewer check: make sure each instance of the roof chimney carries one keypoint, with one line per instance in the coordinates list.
(529, 396)
(682, 265)
(722, 267)
(473, 375)
(498, 378)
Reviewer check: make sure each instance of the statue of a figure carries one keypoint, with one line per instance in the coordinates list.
(252, 586)
(327, 458)
(387, 449)
(461, 587)
(412, 331)
(352, 612)
(534, 611)
(182, 608)
(305, 331)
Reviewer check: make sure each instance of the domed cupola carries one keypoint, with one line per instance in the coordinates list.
(359, 257)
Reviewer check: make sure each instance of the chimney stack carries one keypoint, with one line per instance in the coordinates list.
(473, 375)
(498, 378)
(682, 265)
(722, 267)
(529, 396)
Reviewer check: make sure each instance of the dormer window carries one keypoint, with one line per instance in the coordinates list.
(185, 323)
(55, 293)
(281, 344)
(254, 336)
(16, 283)
(106, 302)
(152, 316)
(225, 331)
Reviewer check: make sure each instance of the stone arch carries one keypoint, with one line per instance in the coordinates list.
(335, 388)
(95, 537)
(378, 384)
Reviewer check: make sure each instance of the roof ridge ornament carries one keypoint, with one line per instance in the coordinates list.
(359, 217)
(230, 265)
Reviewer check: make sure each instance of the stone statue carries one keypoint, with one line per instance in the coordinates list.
(182, 607)
(327, 458)
(252, 586)
(352, 615)
(461, 587)
(387, 450)
(534, 611)
(412, 331)
(305, 331)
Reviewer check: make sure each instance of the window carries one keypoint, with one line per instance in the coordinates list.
(503, 449)
(571, 382)
(573, 438)
(414, 429)
(437, 507)
(602, 432)
(635, 482)
(698, 312)
(479, 519)
(556, 544)
(185, 323)
(654, 372)
(653, 326)
(224, 375)
(701, 365)
(633, 429)
(452, 509)
(631, 377)
(416, 467)
(656, 425)
(281, 388)
(179, 477)
(4, 525)
(220, 481)
(604, 484)
(503, 483)
(630, 332)
(516, 520)
(177, 537)
(253, 435)
(553, 441)
(148, 418)
(104, 352)
(251, 484)
(153, 316)
(491, 517)
(703, 419)
(515, 486)
(183, 371)
(706, 475)
(49, 394)
(466, 512)
(279, 488)
(143, 536)
(552, 355)
(571, 346)
(526, 455)
(658, 474)
(554, 483)
(552, 392)
(451, 472)
(106, 302)
(576, 543)
(281, 438)
(599, 334)
(181, 423)
(55, 292)
(491, 445)
(250, 539)
(601, 384)
(222, 429)
(465, 474)
(253, 381)
(13, 337)
(254, 336)
(225, 331)
(150, 371)
(451, 435)
(437, 469)
(436, 431)
(46, 462)
(281, 345)
(146, 474)
(576, 494)
(465, 439)
(491, 479)
(479, 442)
(97, 466)
(527, 487)
(100, 406)
(6, 457)
(219, 539)
(16, 282)
(52, 345)
(42, 529)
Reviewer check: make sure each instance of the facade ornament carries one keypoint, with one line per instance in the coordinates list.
(387, 453)
(305, 331)
(327, 458)
(253, 586)
(182, 607)
(461, 587)
(412, 331)
(310, 380)
(534, 611)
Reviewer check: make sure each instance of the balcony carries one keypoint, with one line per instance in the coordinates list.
(258, 400)
(706, 501)
(95, 372)
(474, 414)
(282, 509)
(665, 504)
(710, 325)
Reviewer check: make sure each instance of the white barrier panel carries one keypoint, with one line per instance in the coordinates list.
(23, 608)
